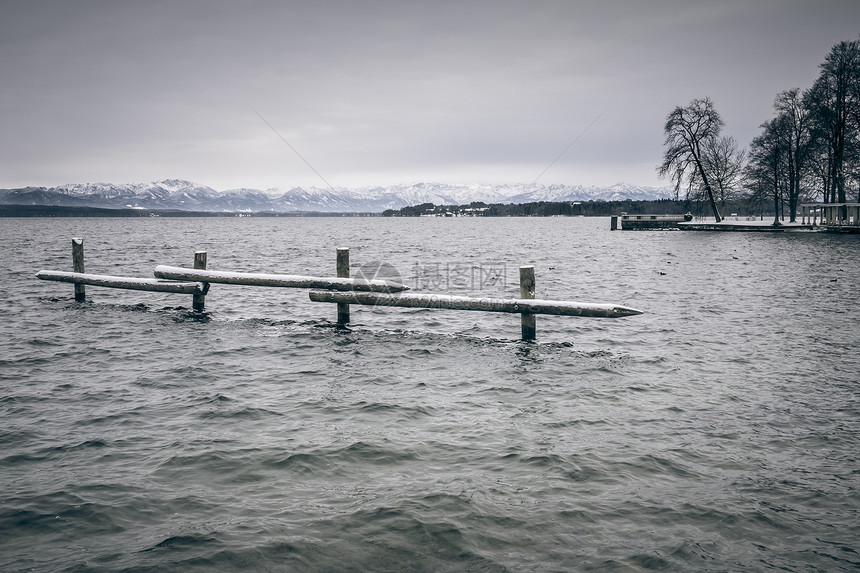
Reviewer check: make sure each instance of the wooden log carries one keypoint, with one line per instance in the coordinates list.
(130, 283)
(450, 302)
(275, 280)
(78, 267)
(342, 267)
(199, 301)
(527, 291)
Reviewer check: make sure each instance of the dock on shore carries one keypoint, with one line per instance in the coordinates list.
(649, 222)
(744, 226)
(814, 217)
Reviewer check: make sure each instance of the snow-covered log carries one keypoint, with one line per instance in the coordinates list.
(130, 283)
(276, 280)
(451, 302)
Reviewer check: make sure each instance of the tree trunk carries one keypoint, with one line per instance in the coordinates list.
(776, 207)
(708, 189)
(792, 207)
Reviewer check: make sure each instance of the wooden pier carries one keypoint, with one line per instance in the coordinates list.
(340, 290)
(744, 227)
(648, 222)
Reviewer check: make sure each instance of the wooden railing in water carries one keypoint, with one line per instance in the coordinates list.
(340, 290)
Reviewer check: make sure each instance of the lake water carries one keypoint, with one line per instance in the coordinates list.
(717, 432)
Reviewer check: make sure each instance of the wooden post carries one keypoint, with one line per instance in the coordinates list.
(199, 301)
(613, 225)
(342, 272)
(527, 290)
(78, 267)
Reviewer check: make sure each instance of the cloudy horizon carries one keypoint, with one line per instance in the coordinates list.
(379, 93)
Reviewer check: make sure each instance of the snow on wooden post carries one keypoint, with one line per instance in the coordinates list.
(343, 272)
(199, 302)
(78, 267)
(527, 290)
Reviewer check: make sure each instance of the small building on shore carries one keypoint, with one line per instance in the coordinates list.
(836, 217)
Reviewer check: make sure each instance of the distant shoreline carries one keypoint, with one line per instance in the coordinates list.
(30, 211)
(475, 209)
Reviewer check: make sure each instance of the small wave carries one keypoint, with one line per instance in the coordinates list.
(407, 412)
(395, 531)
(85, 445)
(43, 342)
(20, 459)
(185, 542)
(578, 423)
(56, 514)
(348, 459)
(247, 413)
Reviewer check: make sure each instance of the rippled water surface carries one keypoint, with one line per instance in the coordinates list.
(717, 432)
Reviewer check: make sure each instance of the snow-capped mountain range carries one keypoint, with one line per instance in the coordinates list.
(188, 196)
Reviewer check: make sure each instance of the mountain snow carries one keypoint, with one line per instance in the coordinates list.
(186, 195)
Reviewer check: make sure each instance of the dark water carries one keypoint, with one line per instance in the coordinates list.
(718, 432)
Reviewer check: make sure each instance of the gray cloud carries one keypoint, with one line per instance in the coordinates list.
(379, 92)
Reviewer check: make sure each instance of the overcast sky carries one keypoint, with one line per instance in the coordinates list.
(381, 92)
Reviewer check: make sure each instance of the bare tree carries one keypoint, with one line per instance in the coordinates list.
(796, 131)
(689, 131)
(724, 162)
(767, 167)
(820, 164)
(834, 101)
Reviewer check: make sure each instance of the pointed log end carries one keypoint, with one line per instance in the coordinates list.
(379, 285)
(622, 311)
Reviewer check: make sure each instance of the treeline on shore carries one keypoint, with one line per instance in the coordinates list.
(559, 209)
(475, 209)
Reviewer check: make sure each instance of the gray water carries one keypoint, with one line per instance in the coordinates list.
(717, 432)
